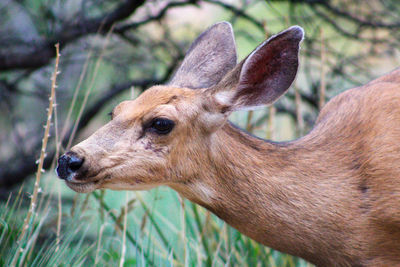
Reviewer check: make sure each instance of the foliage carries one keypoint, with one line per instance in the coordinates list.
(167, 235)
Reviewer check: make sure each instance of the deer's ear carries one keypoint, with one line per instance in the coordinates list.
(264, 75)
(210, 57)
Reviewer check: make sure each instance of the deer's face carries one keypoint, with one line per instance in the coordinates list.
(143, 144)
(161, 137)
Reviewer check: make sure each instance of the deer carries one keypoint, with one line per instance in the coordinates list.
(331, 197)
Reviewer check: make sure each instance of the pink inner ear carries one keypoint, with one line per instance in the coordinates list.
(270, 69)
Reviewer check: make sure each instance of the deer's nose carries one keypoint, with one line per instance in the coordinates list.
(68, 164)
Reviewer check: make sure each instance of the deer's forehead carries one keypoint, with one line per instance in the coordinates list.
(158, 100)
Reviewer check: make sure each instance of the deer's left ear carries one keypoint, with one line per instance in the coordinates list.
(209, 58)
(264, 75)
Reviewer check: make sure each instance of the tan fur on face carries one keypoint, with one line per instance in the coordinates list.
(121, 155)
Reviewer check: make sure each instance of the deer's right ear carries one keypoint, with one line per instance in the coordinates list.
(210, 57)
(264, 75)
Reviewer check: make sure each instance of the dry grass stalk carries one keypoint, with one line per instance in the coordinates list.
(183, 225)
(123, 250)
(3, 216)
(19, 196)
(132, 92)
(98, 247)
(59, 217)
(101, 208)
(58, 145)
(75, 96)
(86, 97)
(264, 23)
(76, 90)
(36, 188)
(271, 123)
(323, 83)
(299, 112)
(249, 126)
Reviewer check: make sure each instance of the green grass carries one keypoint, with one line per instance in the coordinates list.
(160, 232)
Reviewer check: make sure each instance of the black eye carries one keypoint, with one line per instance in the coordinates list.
(110, 114)
(161, 126)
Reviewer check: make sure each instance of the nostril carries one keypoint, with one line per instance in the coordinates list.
(74, 163)
(62, 168)
(68, 164)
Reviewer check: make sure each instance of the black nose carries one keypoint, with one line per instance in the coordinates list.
(68, 164)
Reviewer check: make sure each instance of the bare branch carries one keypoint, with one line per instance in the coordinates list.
(359, 21)
(43, 51)
(122, 29)
(238, 12)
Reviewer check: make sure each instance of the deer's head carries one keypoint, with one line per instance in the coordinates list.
(158, 138)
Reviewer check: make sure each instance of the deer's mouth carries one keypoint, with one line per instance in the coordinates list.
(86, 184)
(82, 186)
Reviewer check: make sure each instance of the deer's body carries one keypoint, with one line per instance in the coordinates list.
(331, 197)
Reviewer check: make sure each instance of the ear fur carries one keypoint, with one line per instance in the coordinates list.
(209, 58)
(264, 75)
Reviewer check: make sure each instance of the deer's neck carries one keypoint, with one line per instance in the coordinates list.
(276, 193)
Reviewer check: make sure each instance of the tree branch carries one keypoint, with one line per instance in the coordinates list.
(359, 21)
(43, 51)
(123, 28)
(238, 12)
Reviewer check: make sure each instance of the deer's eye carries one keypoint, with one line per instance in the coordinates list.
(161, 126)
(111, 114)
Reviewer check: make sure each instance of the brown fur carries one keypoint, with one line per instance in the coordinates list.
(331, 197)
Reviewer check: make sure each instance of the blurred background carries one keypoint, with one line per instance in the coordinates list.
(114, 50)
